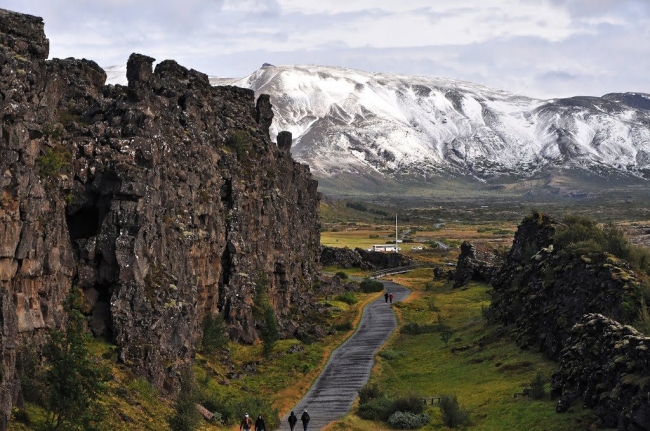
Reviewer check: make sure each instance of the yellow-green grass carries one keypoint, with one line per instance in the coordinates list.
(485, 380)
(139, 404)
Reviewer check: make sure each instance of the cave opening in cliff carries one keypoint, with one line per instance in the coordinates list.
(96, 272)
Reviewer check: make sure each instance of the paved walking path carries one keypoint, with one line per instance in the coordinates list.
(332, 394)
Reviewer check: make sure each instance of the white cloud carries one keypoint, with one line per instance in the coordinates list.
(530, 46)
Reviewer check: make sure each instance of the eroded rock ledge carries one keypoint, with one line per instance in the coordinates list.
(164, 200)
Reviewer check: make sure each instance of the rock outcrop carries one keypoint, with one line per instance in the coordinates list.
(555, 298)
(364, 259)
(543, 291)
(474, 264)
(607, 365)
(164, 200)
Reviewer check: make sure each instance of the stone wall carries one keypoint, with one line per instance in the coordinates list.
(164, 200)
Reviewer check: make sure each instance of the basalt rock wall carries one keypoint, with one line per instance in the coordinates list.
(556, 301)
(164, 200)
(543, 292)
(607, 366)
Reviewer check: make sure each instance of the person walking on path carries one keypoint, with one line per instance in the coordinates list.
(386, 297)
(246, 423)
(293, 419)
(259, 424)
(390, 298)
(305, 419)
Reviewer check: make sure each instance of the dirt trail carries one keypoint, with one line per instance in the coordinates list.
(332, 394)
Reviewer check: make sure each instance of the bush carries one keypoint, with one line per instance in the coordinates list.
(345, 326)
(412, 403)
(348, 298)
(452, 414)
(417, 329)
(186, 417)
(342, 275)
(368, 392)
(583, 235)
(389, 354)
(537, 391)
(269, 333)
(240, 141)
(378, 409)
(408, 421)
(55, 161)
(214, 333)
(370, 286)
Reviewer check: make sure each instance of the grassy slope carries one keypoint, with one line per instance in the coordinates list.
(485, 380)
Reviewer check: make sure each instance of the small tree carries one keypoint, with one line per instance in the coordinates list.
(537, 390)
(214, 333)
(269, 333)
(74, 380)
(453, 415)
(186, 416)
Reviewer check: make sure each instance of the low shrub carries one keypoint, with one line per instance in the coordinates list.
(413, 328)
(453, 416)
(370, 286)
(369, 391)
(537, 390)
(214, 333)
(408, 421)
(389, 354)
(345, 326)
(412, 403)
(348, 298)
(378, 409)
(342, 275)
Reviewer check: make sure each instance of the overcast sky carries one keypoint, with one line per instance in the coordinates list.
(539, 48)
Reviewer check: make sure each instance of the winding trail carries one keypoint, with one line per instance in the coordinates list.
(332, 394)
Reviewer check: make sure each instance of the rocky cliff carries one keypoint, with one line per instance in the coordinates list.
(555, 299)
(607, 365)
(164, 200)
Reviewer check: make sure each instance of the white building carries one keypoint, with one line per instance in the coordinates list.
(385, 247)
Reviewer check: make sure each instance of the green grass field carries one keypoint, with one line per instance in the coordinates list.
(485, 379)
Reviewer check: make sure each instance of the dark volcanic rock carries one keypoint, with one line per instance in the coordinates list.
(555, 299)
(164, 200)
(607, 365)
(474, 264)
(543, 292)
(360, 258)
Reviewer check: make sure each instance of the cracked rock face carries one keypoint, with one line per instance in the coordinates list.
(555, 302)
(164, 200)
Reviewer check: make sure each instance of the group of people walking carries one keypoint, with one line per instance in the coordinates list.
(247, 422)
(388, 297)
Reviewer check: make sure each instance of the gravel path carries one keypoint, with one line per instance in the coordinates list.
(348, 369)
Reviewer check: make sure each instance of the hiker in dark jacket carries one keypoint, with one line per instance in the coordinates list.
(259, 424)
(292, 421)
(246, 423)
(305, 419)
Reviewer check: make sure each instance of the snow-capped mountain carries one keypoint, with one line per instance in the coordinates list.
(348, 121)
(352, 124)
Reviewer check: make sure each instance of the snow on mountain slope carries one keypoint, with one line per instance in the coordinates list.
(116, 75)
(349, 121)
